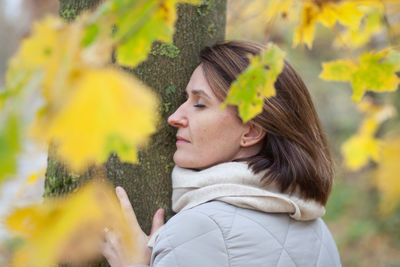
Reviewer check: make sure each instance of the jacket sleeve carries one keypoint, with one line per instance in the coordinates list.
(190, 238)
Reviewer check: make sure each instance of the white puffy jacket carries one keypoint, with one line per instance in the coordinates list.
(217, 234)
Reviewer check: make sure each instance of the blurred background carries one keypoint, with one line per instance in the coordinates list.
(16, 17)
(364, 236)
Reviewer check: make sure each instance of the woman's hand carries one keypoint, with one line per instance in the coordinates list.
(113, 250)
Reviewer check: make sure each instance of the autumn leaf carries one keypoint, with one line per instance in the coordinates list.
(138, 24)
(64, 230)
(107, 111)
(52, 54)
(328, 13)
(371, 25)
(256, 82)
(375, 71)
(364, 146)
(387, 175)
(43, 42)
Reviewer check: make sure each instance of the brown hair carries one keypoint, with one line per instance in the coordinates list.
(294, 153)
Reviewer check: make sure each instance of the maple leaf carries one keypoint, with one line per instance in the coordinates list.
(35, 53)
(347, 13)
(106, 111)
(64, 230)
(256, 82)
(363, 146)
(371, 25)
(138, 24)
(375, 71)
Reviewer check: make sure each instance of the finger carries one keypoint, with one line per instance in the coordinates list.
(126, 206)
(109, 252)
(111, 241)
(158, 221)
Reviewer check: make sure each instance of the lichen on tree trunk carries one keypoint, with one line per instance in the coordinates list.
(167, 71)
(69, 9)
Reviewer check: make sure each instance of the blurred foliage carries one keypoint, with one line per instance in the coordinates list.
(64, 230)
(364, 146)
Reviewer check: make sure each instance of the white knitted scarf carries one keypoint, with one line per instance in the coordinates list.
(236, 184)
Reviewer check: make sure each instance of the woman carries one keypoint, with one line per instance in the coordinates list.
(246, 194)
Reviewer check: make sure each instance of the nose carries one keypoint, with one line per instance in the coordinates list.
(178, 119)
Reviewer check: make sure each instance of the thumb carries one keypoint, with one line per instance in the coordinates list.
(158, 221)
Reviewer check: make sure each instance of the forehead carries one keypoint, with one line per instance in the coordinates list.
(199, 82)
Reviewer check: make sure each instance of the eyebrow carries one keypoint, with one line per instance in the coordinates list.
(199, 92)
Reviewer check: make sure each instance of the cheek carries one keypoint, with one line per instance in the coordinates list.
(230, 128)
(221, 133)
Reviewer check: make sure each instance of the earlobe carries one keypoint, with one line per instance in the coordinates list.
(253, 135)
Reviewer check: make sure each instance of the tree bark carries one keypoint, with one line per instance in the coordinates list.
(167, 70)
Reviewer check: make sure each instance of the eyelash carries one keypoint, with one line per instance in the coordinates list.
(200, 106)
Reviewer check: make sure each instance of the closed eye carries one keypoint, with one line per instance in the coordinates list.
(200, 106)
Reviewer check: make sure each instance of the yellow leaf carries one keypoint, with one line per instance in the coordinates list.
(66, 230)
(363, 146)
(387, 175)
(37, 49)
(305, 31)
(371, 25)
(359, 149)
(54, 50)
(347, 13)
(107, 111)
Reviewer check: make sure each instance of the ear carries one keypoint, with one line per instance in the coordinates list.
(253, 135)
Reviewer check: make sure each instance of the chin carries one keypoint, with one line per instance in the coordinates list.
(186, 163)
(191, 165)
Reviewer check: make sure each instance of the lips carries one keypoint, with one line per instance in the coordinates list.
(180, 139)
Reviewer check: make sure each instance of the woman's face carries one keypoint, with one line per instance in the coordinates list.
(206, 134)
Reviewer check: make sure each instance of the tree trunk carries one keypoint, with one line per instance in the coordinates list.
(167, 71)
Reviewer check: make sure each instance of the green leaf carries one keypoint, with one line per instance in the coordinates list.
(256, 82)
(339, 70)
(375, 71)
(139, 23)
(136, 49)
